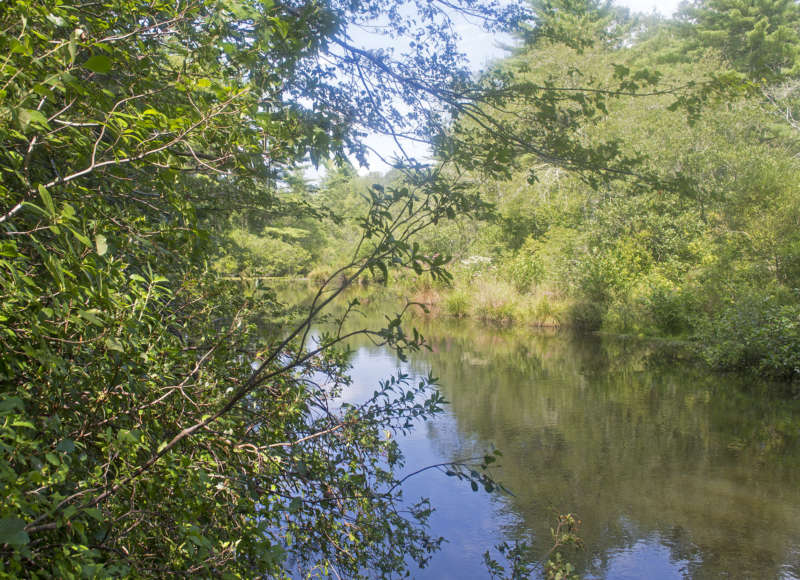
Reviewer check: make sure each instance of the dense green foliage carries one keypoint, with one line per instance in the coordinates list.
(760, 39)
(155, 417)
(697, 235)
(159, 416)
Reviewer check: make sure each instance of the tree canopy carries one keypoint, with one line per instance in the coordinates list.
(695, 238)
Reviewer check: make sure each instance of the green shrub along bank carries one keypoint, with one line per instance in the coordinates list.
(756, 333)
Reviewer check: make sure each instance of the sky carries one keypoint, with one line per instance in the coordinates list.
(481, 48)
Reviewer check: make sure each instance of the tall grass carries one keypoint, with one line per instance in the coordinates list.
(494, 300)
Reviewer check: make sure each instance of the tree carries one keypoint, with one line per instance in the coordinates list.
(758, 38)
(151, 422)
(695, 236)
(157, 418)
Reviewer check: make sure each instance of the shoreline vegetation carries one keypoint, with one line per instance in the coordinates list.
(487, 300)
(695, 238)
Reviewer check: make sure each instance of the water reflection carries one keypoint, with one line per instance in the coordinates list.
(674, 472)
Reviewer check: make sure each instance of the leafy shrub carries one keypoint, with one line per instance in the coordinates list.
(667, 305)
(495, 301)
(652, 305)
(523, 268)
(754, 332)
(545, 312)
(585, 315)
(319, 275)
(267, 255)
(621, 315)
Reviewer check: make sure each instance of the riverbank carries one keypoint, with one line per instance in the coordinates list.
(755, 336)
(492, 300)
(497, 303)
(763, 345)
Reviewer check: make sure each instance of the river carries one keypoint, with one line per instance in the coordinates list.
(675, 472)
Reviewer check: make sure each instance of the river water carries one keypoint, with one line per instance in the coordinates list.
(675, 472)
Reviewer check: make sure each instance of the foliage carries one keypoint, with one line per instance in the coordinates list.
(759, 39)
(518, 562)
(266, 254)
(456, 304)
(157, 419)
(521, 563)
(523, 267)
(754, 331)
(689, 230)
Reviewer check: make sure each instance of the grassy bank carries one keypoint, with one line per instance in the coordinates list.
(489, 298)
(759, 337)
(496, 301)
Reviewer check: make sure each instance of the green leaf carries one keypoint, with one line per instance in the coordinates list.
(48, 201)
(91, 316)
(114, 344)
(95, 514)
(101, 244)
(8, 405)
(73, 46)
(57, 20)
(295, 505)
(12, 532)
(98, 63)
(83, 239)
(67, 211)
(66, 445)
(28, 117)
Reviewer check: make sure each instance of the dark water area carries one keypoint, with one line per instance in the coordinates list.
(675, 472)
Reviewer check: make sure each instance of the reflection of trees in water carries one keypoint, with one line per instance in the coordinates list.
(647, 451)
(637, 449)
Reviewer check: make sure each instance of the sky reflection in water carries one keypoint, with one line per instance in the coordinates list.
(674, 472)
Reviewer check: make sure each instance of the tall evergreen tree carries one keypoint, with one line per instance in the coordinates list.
(760, 38)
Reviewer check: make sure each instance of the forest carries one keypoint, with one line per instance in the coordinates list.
(692, 237)
(165, 409)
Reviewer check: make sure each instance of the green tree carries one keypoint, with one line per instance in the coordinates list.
(675, 220)
(760, 38)
(156, 419)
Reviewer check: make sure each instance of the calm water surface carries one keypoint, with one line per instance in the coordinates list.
(674, 472)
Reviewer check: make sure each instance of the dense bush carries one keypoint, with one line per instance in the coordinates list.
(754, 332)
